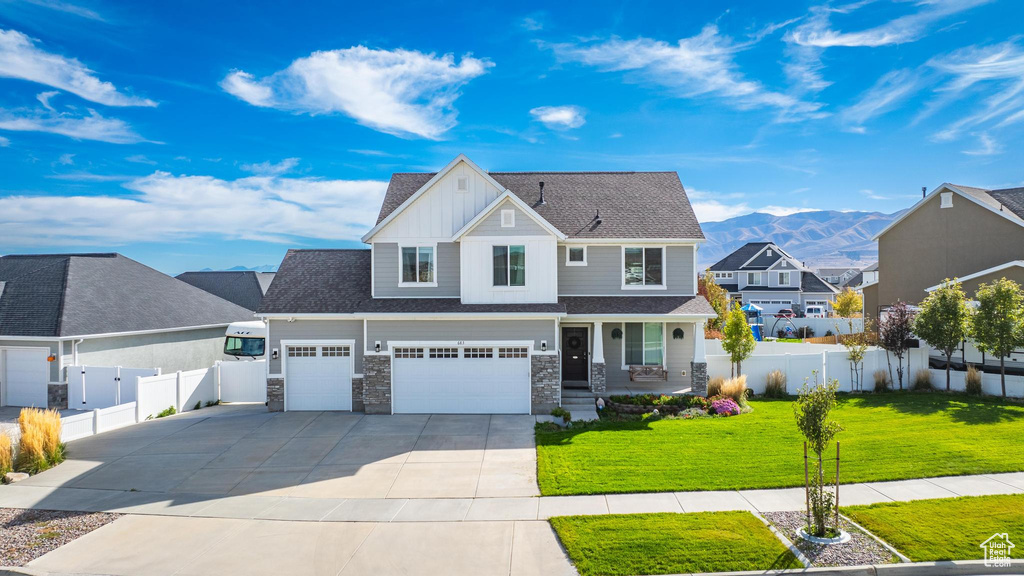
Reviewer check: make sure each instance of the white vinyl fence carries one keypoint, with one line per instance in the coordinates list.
(990, 383)
(92, 387)
(828, 364)
(243, 381)
(819, 325)
(181, 390)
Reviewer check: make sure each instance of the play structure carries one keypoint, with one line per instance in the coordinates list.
(755, 320)
(788, 327)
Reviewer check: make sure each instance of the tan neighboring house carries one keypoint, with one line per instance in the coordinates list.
(955, 231)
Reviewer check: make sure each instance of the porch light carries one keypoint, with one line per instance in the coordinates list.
(51, 358)
(273, 354)
(376, 346)
(677, 334)
(543, 345)
(616, 334)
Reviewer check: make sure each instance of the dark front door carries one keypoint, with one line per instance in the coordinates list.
(574, 354)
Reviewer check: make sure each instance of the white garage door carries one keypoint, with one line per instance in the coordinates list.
(318, 377)
(26, 374)
(461, 380)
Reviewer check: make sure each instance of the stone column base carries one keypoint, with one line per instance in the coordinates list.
(357, 394)
(57, 396)
(275, 394)
(597, 378)
(545, 383)
(699, 378)
(377, 384)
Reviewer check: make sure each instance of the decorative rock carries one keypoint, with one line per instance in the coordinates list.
(843, 538)
(12, 477)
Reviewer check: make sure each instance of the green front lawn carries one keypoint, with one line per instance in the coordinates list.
(671, 543)
(943, 529)
(887, 437)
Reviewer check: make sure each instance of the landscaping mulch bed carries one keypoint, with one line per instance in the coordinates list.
(859, 551)
(28, 534)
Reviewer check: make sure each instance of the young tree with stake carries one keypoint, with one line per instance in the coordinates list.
(998, 323)
(812, 410)
(893, 332)
(737, 339)
(944, 319)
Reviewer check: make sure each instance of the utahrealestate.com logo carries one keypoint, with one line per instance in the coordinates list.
(998, 550)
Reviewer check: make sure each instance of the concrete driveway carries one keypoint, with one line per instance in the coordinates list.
(231, 451)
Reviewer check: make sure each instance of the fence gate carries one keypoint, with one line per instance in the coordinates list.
(242, 381)
(93, 387)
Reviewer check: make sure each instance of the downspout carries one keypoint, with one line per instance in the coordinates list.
(74, 351)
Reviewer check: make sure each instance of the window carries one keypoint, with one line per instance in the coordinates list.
(783, 265)
(783, 278)
(754, 278)
(235, 346)
(723, 275)
(508, 218)
(643, 344)
(642, 267)
(513, 353)
(478, 353)
(302, 351)
(334, 351)
(408, 352)
(576, 256)
(444, 352)
(418, 265)
(509, 268)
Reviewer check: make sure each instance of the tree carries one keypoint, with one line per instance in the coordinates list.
(893, 332)
(812, 411)
(738, 339)
(998, 323)
(856, 348)
(848, 304)
(944, 319)
(717, 296)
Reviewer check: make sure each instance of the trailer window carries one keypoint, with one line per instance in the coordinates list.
(235, 346)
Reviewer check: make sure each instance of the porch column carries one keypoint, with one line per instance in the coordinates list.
(597, 367)
(699, 364)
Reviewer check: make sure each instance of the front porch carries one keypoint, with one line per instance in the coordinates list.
(632, 355)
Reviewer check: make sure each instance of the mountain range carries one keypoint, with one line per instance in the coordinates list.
(263, 268)
(823, 238)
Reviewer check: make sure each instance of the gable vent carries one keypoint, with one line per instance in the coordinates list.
(462, 183)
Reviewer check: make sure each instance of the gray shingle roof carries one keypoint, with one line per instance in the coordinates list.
(82, 294)
(632, 204)
(809, 282)
(243, 287)
(1009, 199)
(735, 260)
(338, 282)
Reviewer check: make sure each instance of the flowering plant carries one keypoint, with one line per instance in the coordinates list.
(725, 407)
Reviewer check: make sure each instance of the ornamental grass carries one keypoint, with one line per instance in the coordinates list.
(39, 447)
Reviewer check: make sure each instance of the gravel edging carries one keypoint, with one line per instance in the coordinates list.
(861, 550)
(28, 534)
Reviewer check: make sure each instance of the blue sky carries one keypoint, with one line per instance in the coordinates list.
(199, 134)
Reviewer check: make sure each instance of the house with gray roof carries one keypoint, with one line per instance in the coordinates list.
(61, 310)
(764, 274)
(242, 287)
(491, 292)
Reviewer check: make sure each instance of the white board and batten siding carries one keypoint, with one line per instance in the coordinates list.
(442, 210)
(477, 270)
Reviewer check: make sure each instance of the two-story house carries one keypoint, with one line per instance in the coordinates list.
(488, 292)
(763, 274)
(955, 231)
(839, 277)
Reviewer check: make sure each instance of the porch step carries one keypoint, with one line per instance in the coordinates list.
(573, 393)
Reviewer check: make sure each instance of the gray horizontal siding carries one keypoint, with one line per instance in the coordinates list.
(316, 330)
(385, 271)
(678, 355)
(602, 276)
(491, 225)
(455, 330)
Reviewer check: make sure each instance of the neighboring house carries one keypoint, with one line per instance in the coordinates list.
(101, 310)
(838, 277)
(488, 292)
(243, 287)
(953, 232)
(869, 275)
(763, 274)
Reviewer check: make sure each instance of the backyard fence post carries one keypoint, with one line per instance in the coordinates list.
(788, 359)
(96, 421)
(824, 366)
(83, 384)
(807, 489)
(117, 381)
(837, 486)
(138, 399)
(177, 391)
(217, 381)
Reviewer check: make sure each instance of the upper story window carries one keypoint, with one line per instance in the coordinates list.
(508, 218)
(418, 265)
(723, 275)
(576, 256)
(509, 268)
(643, 267)
(753, 278)
(783, 278)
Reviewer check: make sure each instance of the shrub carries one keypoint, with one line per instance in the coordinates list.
(715, 386)
(6, 454)
(725, 407)
(922, 380)
(735, 388)
(198, 405)
(972, 381)
(775, 384)
(169, 411)
(698, 402)
(805, 332)
(39, 447)
(829, 333)
(882, 383)
(562, 413)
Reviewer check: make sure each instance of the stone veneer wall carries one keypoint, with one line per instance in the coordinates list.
(699, 378)
(597, 378)
(57, 396)
(357, 394)
(275, 394)
(545, 383)
(377, 384)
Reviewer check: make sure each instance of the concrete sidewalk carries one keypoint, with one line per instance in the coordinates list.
(272, 506)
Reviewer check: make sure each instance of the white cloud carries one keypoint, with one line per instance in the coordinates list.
(692, 67)
(66, 159)
(270, 169)
(709, 206)
(400, 92)
(165, 207)
(872, 195)
(20, 57)
(987, 146)
(890, 90)
(140, 159)
(91, 127)
(4, 142)
(69, 8)
(559, 117)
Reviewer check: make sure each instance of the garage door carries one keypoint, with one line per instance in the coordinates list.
(318, 377)
(461, 380)
(26, 375)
